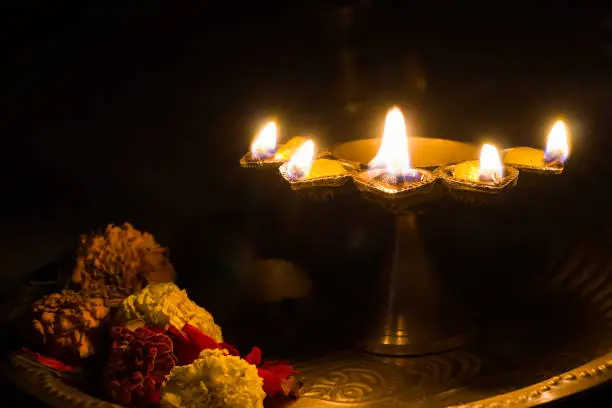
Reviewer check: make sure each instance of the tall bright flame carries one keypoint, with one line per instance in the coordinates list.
(264, 145)
(490, 164)
(557, 146)
(301, 162)
(393, 153)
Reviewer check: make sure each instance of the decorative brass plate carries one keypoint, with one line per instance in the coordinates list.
(510, 365)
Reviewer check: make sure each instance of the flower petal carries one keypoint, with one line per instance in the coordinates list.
(198, 337)
(280, 369)
(271, 383)
(254, 357)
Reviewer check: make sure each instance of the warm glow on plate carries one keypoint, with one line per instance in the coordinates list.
(557, 145)
(393, 153)
(264, 144)
(300, 163)
(490, 164)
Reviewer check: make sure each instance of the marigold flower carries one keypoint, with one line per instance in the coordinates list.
(67, 324)
(121, 260)
(214, 380)
(165, 305)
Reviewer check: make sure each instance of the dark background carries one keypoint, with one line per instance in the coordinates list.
(140, 112)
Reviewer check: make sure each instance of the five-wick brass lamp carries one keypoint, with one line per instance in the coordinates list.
(404, 174)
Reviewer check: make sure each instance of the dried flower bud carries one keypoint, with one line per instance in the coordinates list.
(67, 324)
(122, 260)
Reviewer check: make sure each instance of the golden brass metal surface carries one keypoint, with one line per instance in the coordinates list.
(415, 315)
(310, 182)
(401, 200)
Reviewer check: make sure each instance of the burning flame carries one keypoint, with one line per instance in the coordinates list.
(557, 147)
(393, 153)
(264, 145)
(301, 162)
(490, 164)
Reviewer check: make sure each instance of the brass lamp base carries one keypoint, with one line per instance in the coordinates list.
(414, 315)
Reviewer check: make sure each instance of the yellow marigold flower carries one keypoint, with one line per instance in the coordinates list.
(164, 304)
(214, 380)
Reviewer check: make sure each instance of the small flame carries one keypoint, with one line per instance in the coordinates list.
(557, 147)
(264, 145)
(393, 153)
(490, 164)
(301, 162)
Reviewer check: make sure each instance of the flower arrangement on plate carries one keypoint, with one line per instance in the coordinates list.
(157, 346)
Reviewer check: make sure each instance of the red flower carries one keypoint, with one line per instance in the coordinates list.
(278, 376)
(137, 366)
(189, 343)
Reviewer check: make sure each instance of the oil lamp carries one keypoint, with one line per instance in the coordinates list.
(390, 172)
(393, 156)
(490, 166)
(557, 147)
(305, 170)
(264, 144)
(299, 165)
(551, 160)
(488, 169)
(479, 181)
(265, 150)
(413, 314)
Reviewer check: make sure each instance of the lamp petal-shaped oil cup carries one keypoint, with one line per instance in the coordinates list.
(317, 178)
(479, 182)
(549, 161)
(534, 163)
(265, 151)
